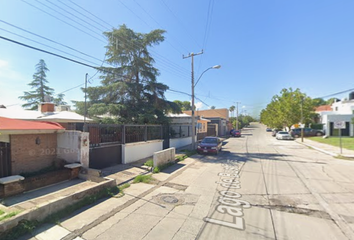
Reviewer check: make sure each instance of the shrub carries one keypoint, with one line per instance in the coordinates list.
(142, 178)
(149, 163)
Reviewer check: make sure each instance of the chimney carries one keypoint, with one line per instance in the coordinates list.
(46, 107)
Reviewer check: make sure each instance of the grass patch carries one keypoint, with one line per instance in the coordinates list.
(162, 167)
(1, 212)
(9, 215)
(143, 178)
(344, 158)
(149, 163)
(347, 142)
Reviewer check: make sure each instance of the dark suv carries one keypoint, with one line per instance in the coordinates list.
(308, 132)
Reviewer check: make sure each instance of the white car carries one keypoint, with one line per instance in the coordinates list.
(283, 136)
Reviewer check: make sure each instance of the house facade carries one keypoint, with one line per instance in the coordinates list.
(340, 111)
(216, 116)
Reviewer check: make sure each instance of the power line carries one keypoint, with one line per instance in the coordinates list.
(50, 40)
(147, 13)
(179, 21)
(334, 94)
(41, 50)
(62, 20)
(45, 45)
(75, 17)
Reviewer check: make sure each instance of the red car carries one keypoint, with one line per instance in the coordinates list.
(236, 133)
(209, 145)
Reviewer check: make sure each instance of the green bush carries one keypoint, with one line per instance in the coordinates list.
(156, 170)
(142, 178)
(149, 163)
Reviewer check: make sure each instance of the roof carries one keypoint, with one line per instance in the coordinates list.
(63, 116)
(211, 113)
(178, 115)
(15, 124)
(323, 108)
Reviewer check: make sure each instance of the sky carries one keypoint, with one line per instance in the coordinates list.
(262, 47)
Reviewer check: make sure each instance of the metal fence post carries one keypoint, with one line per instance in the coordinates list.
(123, 134)
(145, 133)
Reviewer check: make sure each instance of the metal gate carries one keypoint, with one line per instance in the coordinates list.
(211, 130)
(105, 156)
(5, 159)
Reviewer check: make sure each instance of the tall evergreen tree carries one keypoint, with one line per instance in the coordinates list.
(39, 86)
(129, 90)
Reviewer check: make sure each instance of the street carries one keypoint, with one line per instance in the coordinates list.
(256, 188)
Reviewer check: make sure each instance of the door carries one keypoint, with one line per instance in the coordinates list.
(5, 159)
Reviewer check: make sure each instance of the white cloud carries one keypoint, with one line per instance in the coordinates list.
(198, 105)
(3, 63)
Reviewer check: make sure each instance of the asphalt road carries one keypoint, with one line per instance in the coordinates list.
(256, 188)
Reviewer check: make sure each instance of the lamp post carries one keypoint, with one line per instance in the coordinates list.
(193, 86)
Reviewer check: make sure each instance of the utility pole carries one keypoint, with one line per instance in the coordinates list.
(85, 126)
(302, 120)
(237, 114)
(191, 55)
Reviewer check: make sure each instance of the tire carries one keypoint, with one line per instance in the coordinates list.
(318, 134)
(296, 135)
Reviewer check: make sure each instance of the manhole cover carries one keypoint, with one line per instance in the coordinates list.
(170, 199)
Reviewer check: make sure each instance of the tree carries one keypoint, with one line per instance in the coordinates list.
(39, 84)
(185, 105)
(59, 100)
(232, 109)
(287, 109)
(212, 107)
(319, 102)
(129, 90)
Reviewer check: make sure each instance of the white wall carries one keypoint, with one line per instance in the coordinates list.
(343, 107)
(180, 142)
(73, 146)
(136, 151)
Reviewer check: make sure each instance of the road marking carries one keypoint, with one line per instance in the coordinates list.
(229, 202)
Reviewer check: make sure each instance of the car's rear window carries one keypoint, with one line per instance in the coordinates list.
(283, 132)
(210, 140)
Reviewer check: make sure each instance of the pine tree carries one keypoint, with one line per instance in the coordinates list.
(129, 90)
(39, 86)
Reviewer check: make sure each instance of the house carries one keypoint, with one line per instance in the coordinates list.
(220, 117)
(30, 146)
(48, 112)
(340, 111)
(27, 146)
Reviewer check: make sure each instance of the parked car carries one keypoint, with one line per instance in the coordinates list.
(268, 130)
(308, 132)
(274, 132)
(281, 135)
(236, 133)
(209, 145)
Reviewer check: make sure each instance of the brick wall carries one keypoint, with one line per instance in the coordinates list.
(28, 156)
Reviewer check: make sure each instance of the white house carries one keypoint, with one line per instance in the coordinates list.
(341, 111)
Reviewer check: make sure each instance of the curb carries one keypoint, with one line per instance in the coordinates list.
(320, 150)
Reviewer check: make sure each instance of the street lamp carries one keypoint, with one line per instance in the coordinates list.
(193, 86)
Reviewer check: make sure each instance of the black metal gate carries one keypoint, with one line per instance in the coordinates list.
(5, 159)
(211, 130)
(105, 156)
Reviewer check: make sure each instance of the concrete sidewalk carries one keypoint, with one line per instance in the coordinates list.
(326, 148)
(108, 210)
